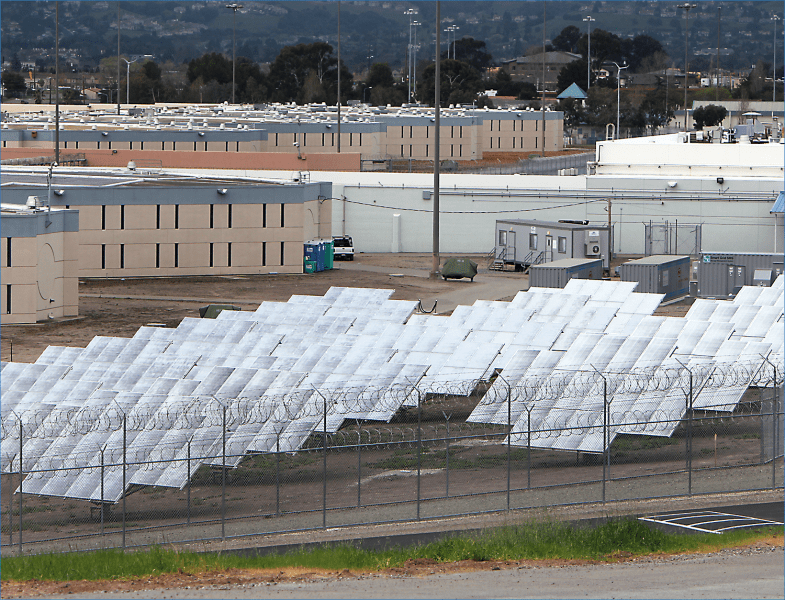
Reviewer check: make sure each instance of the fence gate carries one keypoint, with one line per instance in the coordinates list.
(672, 238)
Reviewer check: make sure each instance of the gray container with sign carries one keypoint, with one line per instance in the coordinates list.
(659, 274)
(556, 274)
(721, 275)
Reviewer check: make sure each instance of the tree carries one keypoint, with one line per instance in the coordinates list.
(604, 46)
(14, 83)
(210, 67)
(294, 64)
(460, 83)
(638, 49)
(656, 112)
(151, 70)
(567, 40)
(471, 51)
(574, 72)
(708, 116)
(380, 75)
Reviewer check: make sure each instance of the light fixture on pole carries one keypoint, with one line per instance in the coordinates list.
(588, 20)
(414, 61)
(235, 7)
(618, 96)
(128, 79)
(410, 12)
(365, 90)
(687, 7)
(452, 28)
(775, 18)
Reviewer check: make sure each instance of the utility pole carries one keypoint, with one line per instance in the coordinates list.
(687, 7)
(118, 58)
(437, 139)
(588, 20)
(235, 7)
(542, 108)
(717, 88)
(339, 76)
(57, 91)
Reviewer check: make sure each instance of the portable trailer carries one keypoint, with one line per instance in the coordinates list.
(659, 274)
(721, 275)
(523, 243)
(557, 273)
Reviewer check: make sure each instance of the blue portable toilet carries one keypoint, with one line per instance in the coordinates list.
(310, 252)
(320, 250)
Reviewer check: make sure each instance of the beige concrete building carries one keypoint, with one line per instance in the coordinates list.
(152, 224)
(39, 252)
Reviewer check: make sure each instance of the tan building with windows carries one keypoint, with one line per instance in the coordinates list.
(532, 70)
(145, 224)
(39, 252)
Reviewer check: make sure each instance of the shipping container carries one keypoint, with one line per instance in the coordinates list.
(721, 275)
(523, 243)
(556, 274)
(659, 274)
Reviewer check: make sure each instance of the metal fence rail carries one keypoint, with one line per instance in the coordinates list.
(571, 164)
(428, 462)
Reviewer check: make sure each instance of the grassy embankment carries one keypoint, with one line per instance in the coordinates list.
(541, 540)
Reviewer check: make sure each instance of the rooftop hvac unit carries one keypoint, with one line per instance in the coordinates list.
(593, 246)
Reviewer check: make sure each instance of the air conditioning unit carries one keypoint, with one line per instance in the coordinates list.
(593, 249)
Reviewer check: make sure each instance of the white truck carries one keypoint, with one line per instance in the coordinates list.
(343, 249)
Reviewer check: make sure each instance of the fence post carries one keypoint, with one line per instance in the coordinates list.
(102, 491)
(419, 448)
(604, 433)
(124, 472)
(359, 461)
(21, 479)
(509, 435)
(775, 432)
(188, 485)
(223, 476)
(447, 456)
(278, 473)
(689, 440)
(529, 447)
(324, 462)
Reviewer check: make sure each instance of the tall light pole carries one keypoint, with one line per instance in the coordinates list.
(687, 7)
(118, 58)
(452, 28)
(128, 64)
(414, 61)
(775, 18)
(235, 7)
(588, 20)
(410, 12)
(717, 88)
(618, 96)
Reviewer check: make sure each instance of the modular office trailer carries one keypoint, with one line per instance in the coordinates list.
(722, 275)
(659, 274)
(530, 242)
(556, 274)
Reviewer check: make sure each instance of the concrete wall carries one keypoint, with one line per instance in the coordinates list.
(40, 275)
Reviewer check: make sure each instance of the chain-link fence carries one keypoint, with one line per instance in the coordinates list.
(216, 469)
(570, 164)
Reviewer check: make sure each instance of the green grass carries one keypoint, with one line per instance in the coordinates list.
(540, 540)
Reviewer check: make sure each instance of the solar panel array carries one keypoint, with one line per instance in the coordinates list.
(273, 377)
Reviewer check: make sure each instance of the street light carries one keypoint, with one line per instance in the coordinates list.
(775, 18)
(414, 61)
(618, 96)
(452, 28)
(365, 90)
(588, 20)
(410, 12)
(128, 79)
(235, 7)
(687, 7)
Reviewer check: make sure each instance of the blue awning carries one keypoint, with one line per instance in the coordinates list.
(779, 204)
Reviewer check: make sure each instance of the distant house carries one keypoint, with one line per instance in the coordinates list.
(531, 68)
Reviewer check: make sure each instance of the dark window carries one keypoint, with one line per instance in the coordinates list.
(174, 146)
(411, 130)
(158, 256)
(282, 253)
(122, 216)
(361, 139)
(212, 210)
(229, 217)
(563, 245)
(229, 254)
(350, 138)
(141, 145)
(194, 146)
(264, 215)
(177, 255)
(122, 256)
(211, 254)
(237, 146)
(532, 241)
(103, 216)
(163, 145)
(8, 299)
(322, 139)
(305, 139)
(264, 254)
(158, 216)
(177, 216)
(7, 252)
(110, 145)
(103, 256)
(282, 213)
(276, 139)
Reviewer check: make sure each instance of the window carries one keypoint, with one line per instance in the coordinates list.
(229, 254)
(499, 143)
(264, 215)
(177, 255)
(282, 253)
(452, 150)
(211, 254)
(141, 145)
(535, 143)
(110, 145)
(158, 256)
(158, 216)
(411, 130)
(229, 216)
(461, 131)
(122, 216)
(163, 145)
(174, 146)
(452, 131)
(7, 252)
(264, 254)
(426, 150)
(212, 217)
(532, 241)
(103, 216)
(194, 146)
(536, 125)
(122, 256)
(513, 142)
(177, 216)
(401, 149)
(361, 139)
(103, 256)
(502, 238)
(276, 139)
(237, 146)
(350, 138)
(8, 299)
(305, 140)
(491, 125)
(282, 213)
(323, 140)
(562, 245)
(333, 139)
